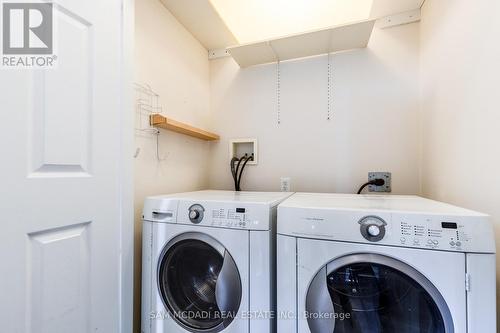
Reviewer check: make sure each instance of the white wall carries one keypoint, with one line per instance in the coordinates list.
(374, 124)
(460, 56)
(435, 128)
(176, 66)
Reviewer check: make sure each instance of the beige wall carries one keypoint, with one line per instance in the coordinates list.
(374, 124)
(169, 59)
(460, 63)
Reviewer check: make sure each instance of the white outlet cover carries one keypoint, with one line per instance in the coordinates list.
(285, 184)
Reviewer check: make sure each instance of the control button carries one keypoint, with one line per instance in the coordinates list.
(403, 240)
(452, 243)
(458, 244)
(373, 230)
(429, 241)
(416, 242)
(195, 213)
(435, 242)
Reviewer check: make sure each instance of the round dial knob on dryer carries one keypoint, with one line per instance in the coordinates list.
(372, 228)
(196, 213)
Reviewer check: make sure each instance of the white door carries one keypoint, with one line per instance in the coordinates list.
(65, 248)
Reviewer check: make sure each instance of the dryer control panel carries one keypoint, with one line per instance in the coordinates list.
(424, 231)
(404, 221)
(429, 233)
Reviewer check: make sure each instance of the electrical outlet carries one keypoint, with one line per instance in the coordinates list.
(285, 184)
(382, 175)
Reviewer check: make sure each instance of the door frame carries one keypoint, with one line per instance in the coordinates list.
(125, 167)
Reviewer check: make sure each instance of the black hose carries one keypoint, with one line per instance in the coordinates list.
(241, 172)
(236, 173)
(233, 170)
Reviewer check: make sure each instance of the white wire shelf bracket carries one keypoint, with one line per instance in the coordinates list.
(331, 40)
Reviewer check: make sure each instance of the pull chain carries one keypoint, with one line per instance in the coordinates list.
(328, 116)
(278, 92)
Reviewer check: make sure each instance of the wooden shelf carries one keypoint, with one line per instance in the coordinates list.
(334, 39)
(160, 121)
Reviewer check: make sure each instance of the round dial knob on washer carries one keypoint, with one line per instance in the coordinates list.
(373, 230)
(196, 213)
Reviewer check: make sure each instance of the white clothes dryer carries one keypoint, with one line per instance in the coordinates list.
(383, 264)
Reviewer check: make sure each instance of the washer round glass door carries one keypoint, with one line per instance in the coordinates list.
(199, 283)
(370, 293)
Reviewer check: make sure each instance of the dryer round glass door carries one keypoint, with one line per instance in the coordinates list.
(373, 293)
(199, 283)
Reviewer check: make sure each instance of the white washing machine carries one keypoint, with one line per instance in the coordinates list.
(383, 264)
(208, 262)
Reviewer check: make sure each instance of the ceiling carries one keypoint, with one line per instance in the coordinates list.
(202, 20)
(383, 8)
(256, 20)
(221, 23)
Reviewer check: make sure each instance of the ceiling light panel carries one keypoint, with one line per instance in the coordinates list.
(254, 20)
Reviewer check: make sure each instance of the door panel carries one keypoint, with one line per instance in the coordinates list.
(188, 276)
(236, 242)
(447, 277)
(57, 147)
(198, 275)
(59, 280)
(64, 213)
(375, 293)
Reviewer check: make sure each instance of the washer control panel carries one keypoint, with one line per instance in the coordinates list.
(230, 217)
(248, 216)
